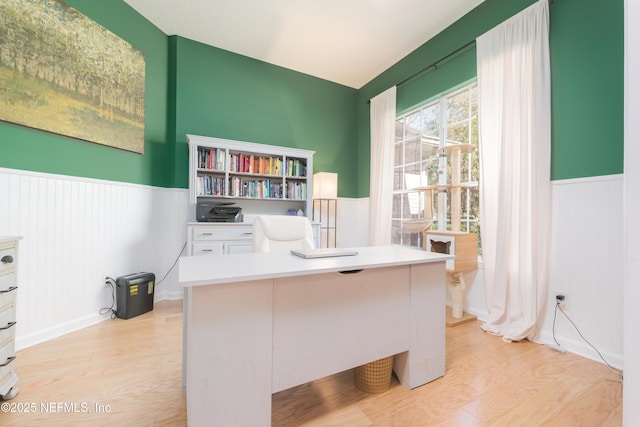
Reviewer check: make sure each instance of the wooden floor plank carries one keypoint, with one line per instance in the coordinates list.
(128, 372)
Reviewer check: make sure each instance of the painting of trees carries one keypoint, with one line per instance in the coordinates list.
(63, 73)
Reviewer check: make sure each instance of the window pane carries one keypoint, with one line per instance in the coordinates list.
(396, 211)
(413, 205)
(431, 120)
(396, 235)
(412, 152)
(413, 177)
(458, 134)
(430, 146)
(398, 179)
(398, 159)
(399, 129)
(413, 126)
(429, 172)
(473, 93)
(458, 107)
(474, 132)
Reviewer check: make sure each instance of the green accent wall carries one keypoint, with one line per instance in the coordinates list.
(587, 69)
(221, 94)
(587, 80)
(34, 150)
(199, 89)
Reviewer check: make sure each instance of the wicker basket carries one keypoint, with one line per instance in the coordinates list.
(374, 377)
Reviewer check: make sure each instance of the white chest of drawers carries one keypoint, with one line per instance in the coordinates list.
(8, 295)
(206, 238)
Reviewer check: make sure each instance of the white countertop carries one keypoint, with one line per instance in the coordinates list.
(216, 269)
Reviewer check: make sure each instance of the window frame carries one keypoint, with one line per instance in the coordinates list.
(402, 192)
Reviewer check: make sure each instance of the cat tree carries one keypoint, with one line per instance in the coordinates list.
(461, 244)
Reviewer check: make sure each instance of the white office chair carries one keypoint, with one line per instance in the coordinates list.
(281, 233)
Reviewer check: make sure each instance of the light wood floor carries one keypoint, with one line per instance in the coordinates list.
(131, 370)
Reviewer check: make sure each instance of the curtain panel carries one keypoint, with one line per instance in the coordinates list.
(514, 104)
(383, 122)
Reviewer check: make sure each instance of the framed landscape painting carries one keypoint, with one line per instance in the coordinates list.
(63, 73)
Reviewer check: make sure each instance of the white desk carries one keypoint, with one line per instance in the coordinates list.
(261, 323)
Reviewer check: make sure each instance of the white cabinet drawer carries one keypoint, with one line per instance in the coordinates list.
(7, 356)
(8, 307)
(7, 281)
(7, 260)
(7, 343)
(239, 247)
(207, 248)
(222, 233)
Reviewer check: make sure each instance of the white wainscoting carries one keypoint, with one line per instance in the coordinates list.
(352, 223)
(587, 255)
(77, 230)
(587, 263)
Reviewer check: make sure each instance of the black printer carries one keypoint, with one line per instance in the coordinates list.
(208, 211)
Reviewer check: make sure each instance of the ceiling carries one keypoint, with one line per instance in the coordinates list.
(345, 41)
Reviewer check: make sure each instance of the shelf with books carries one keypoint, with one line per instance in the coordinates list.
(243, 171)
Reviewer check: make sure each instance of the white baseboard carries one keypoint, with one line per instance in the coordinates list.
(583, 349)
(43, 335)
(170, 296)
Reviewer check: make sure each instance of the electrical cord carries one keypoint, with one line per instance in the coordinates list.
(174, 264)
(581, 336)
(106, 310)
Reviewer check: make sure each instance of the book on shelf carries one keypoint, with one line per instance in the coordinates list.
(211, 158)
(207, 185)
(296, 168)
(255, 188)
(296, 190)
(251, 163)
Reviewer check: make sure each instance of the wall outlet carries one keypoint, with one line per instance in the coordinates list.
(105, 282)
(562, 298)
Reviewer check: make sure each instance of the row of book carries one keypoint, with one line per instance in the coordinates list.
(255, 188)
(261, 189)
(249, 163)
(207, 185)
(217, 159)
(297, 190)
(211, 158)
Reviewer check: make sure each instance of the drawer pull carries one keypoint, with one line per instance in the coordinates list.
(350, 271)
(7, 259)
(9, 360)
(207, 234)
(11, 289)
(207, 250)
(10, 324)
(248, 233)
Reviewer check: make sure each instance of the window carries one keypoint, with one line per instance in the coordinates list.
(420, 169)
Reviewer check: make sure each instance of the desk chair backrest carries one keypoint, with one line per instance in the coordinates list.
(281, 233)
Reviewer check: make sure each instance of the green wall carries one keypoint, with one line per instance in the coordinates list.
(225, 95)
(34, 150)
(586, 41)
(199, 89)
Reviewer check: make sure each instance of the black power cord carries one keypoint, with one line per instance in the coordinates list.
(174, 264)
(558, 307)
(107, 310)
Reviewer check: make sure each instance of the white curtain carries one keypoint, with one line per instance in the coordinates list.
(383, 122)
(514, 102)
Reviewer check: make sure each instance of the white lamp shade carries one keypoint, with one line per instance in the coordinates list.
(325, 185)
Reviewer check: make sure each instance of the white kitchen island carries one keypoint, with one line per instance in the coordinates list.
(260, 323)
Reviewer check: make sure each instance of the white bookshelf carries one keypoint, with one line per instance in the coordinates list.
(259, 178)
